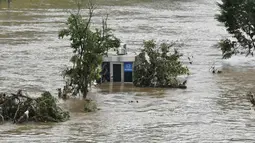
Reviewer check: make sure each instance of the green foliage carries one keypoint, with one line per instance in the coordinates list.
(238, 16)
(158, 66)
(89, 46)
(228, 48)
(20, 108)
(90, 106)
(47, 109)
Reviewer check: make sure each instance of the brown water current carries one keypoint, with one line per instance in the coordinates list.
(212, 109)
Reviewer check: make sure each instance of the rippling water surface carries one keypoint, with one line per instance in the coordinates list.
(212, 109)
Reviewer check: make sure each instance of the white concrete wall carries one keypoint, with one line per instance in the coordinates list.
(119, 58)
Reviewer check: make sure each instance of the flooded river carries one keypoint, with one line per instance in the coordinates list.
(212, 109)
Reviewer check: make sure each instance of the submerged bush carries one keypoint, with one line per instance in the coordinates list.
(47, 109)
(20, 108)
(158, 66)
(90, 106)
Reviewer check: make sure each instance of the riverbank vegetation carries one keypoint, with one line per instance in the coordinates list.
(158, 66)
(238, 18)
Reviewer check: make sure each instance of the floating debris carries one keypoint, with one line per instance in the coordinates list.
(131, 101)
(251, 98)
(214, 70)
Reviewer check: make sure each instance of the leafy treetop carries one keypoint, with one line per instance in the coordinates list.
(238, 16)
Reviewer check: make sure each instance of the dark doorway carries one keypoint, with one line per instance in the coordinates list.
(116, 72)
(128, 77)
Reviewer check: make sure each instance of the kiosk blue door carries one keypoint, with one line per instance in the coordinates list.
(128, 72)
(128, 67)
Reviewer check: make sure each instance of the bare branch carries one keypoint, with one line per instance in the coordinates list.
(91, 10)
(15, 116)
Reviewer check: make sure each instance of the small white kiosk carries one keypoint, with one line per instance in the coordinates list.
(119, 67)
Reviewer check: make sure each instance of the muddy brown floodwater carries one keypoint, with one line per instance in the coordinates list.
(212, 109)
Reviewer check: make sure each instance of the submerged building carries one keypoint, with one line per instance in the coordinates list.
(118, 67)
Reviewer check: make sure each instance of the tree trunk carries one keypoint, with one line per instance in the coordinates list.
(84, 95)
(85, 91)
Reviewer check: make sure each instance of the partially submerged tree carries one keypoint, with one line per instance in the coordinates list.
(238, 17)
(158, 66)
(20, 108)
(89, 46)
